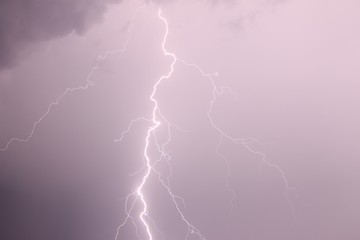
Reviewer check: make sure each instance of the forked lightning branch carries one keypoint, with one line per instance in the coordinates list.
(142, 221)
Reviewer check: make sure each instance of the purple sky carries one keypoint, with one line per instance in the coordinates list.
(291, 69)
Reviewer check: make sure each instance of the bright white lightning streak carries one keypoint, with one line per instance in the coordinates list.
(151, 130)
(155, 120)
(246, 142)
(151, 167)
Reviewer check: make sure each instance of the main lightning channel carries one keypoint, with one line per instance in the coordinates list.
(152, 129)
(156, 120)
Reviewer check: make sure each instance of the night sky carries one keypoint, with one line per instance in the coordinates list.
(259, 129)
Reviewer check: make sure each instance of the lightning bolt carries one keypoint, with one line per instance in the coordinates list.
(156, 121)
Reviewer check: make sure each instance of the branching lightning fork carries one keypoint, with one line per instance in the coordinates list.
(245, 142)
(158, 119)
(89, 83)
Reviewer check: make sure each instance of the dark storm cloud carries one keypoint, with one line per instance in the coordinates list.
(23, 22)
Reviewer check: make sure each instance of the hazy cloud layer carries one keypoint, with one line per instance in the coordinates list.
(23, 22)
